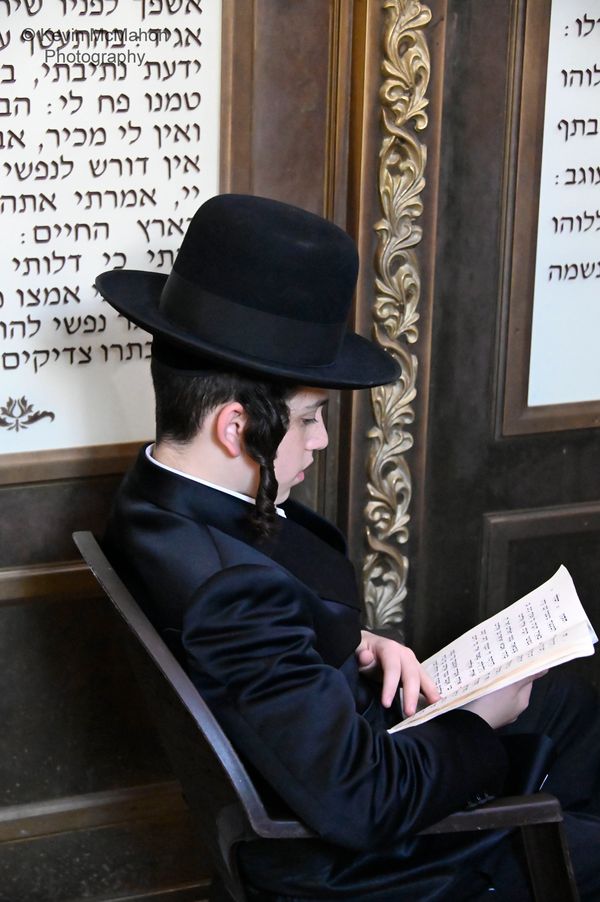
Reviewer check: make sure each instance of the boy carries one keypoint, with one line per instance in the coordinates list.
(255, 594)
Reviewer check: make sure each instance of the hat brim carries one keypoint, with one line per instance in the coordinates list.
(136, 293)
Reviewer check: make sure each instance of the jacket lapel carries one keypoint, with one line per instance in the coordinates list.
(305, 544)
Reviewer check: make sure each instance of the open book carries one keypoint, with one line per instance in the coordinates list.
(544, 628)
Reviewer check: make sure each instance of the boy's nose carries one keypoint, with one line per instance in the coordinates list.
(320, 439)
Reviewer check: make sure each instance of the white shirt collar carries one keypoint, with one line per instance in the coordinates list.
(211, 485)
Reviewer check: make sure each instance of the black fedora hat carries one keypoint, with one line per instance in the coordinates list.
(263, 286)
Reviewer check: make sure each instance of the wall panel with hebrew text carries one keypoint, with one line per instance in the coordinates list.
(566, 312)
(109, 131)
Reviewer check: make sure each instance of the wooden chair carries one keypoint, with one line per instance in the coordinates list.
(222, 798)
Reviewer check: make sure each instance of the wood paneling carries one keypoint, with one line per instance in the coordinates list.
(37, 518)
(497, 514)
(74, 721)
(152, 858)
(522, 548)
(83, 780)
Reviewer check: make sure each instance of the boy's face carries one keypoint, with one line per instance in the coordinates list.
(306, 434)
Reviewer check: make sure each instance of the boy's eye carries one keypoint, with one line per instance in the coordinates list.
(307, 422)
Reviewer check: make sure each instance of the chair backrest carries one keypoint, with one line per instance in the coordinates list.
(215, 783)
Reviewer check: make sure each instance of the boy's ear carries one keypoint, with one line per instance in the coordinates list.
(229, 425)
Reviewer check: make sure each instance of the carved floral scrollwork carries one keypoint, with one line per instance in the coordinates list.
(402, 158)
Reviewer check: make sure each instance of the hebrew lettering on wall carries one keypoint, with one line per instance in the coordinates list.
(109, 139)
(565, 363)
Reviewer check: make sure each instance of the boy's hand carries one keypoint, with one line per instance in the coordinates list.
(398, 667)
(504, 705)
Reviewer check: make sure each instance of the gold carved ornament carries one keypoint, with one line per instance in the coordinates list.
(402, 158)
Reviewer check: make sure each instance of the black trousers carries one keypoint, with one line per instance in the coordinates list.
(568, 710)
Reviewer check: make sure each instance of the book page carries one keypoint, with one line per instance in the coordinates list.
(544, 628)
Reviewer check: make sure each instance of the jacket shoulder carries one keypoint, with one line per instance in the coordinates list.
(316, 524)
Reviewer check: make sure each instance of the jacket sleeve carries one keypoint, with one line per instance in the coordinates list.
(249, 642)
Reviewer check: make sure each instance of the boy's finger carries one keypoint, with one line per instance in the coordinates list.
(392, 671)
(365, 657)
(428, 688)
(411, 685)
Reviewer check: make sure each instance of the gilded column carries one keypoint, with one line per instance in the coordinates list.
(402, 158)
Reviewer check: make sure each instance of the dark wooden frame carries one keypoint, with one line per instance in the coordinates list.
(521, 201)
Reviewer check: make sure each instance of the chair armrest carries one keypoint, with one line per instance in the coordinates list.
(512, 811)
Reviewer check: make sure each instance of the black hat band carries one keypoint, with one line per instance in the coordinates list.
(220, 321)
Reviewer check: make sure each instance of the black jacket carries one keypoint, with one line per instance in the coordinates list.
(268, 633)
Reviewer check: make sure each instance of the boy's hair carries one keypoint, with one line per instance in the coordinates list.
(185, 398)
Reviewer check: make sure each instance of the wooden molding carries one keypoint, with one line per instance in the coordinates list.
(503, 528)
(91, 810)
(66, 463)
(70, 578)
(237, 84)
